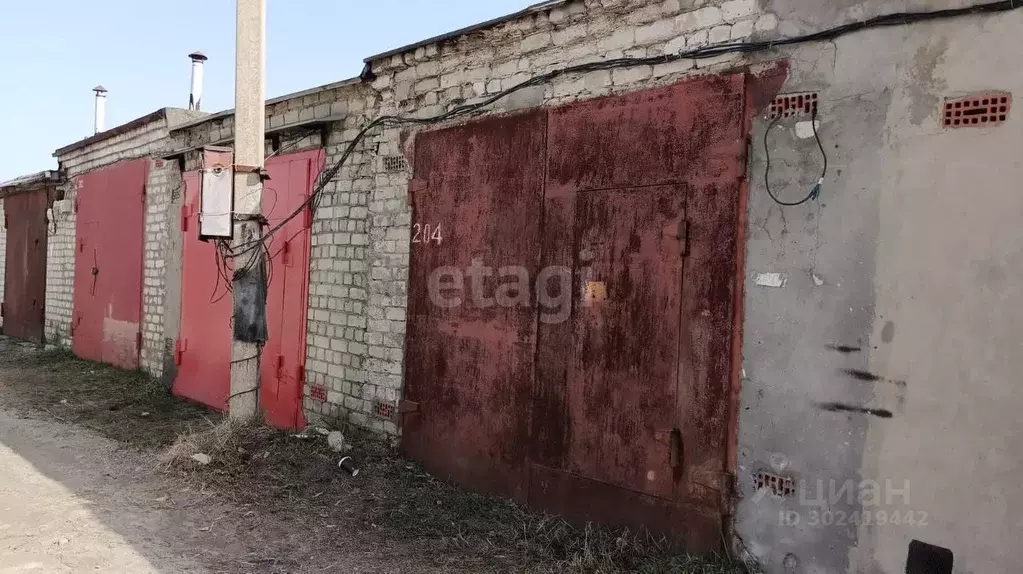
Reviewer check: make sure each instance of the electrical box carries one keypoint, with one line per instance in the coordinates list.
(217, 194)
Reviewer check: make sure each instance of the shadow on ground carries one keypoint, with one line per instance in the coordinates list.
(271, 501)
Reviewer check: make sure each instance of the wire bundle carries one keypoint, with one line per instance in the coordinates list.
(226, 253)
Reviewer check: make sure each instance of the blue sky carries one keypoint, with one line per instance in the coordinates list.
(55, 51)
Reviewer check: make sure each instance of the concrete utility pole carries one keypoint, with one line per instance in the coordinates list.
(249, 286)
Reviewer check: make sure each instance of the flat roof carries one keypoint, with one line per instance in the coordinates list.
(26, 182)
(539, 7)
(136, 123)
(269, 102)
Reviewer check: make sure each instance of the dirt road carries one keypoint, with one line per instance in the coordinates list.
(97, 475)
(71, 501)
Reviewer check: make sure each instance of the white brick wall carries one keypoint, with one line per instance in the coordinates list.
(60, 271)
(164, 183)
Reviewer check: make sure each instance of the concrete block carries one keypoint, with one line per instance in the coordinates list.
(675, 45)
(535, 42)
(766, 23)
(703, 18)
(619, 40)
(733, 10)
(644, 15)
(655, 32)
(720, 34)
(742, 29)
(626, 76)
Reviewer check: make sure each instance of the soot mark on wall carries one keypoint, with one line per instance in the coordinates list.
(842, 408)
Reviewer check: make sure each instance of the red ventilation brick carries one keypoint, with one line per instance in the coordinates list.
(793, 105)
(384, 410)
(977, 110)
(775, 484)
(318, 393)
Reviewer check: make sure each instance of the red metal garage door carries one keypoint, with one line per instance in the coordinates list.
(628, 415)
(204, 347)
(469, 363)
(25, 279)
(282, 369)
(107, 314)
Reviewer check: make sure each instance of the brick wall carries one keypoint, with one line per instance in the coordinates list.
(60, 271)
(164, 185)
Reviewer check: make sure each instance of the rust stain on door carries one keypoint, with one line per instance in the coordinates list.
(469, 357)
(608, 398)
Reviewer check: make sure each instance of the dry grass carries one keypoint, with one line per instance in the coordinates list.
(392, 504)
(394, 500)
(128, 406)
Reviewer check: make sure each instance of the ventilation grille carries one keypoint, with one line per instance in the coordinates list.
(978, 110)
(384, 410)
(775, 484)
(395, 163)
(318, 393)
(793, 105)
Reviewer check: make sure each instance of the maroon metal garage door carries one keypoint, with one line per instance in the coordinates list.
(625, 350)
(470, 360)
(106, 323)
(25, 279)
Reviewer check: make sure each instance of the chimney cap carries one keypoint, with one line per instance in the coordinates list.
(100, 90)
(198, 56)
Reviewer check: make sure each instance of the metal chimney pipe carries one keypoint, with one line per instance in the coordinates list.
(195, 98)
(100, 115)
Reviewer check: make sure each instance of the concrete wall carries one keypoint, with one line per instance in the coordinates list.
(901, 295)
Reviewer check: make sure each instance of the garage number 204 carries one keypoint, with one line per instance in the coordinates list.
(427, 234)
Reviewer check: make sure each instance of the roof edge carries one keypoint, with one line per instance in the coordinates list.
(539, 7)
(29, 182)
(160, 114)
(270, 102)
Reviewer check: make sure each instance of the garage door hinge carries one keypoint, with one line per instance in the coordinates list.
(184, 218)
(3, 309)
(179, 351)
(75, 203)
(138, 340)
(286, 253)
(309, 217)
(408, 406)
(415, 186)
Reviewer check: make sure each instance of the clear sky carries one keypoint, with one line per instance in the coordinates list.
(55, 51)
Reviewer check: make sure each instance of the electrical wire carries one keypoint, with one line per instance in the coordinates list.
(815, 189)
(706, 52)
